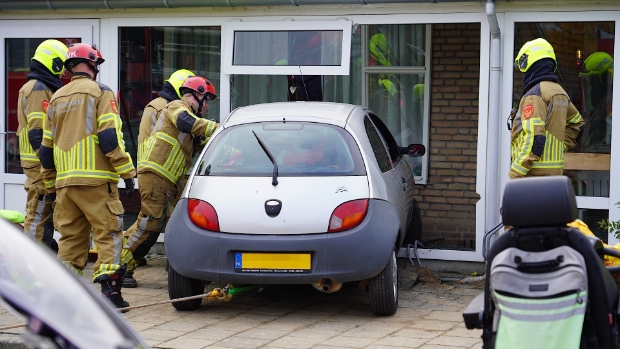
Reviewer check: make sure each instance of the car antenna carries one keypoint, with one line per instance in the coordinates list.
(303, 82)
(274, 179)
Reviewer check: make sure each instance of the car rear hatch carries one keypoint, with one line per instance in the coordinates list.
(318, 167)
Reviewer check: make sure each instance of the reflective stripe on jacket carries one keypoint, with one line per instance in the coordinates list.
(168, 151)
(34, 97)
(546, 124)
(147, 123)
(82, 139)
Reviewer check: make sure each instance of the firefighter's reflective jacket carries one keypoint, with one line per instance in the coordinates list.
(82, 138)
(33, 100)
(545, 125)
(148, 121)
(168, 151)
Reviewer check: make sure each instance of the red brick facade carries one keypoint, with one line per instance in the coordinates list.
(447, 202)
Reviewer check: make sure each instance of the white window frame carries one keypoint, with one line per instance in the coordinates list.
(229, 68)
(511, 18)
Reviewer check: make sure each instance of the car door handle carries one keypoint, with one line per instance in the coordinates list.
(404, 183)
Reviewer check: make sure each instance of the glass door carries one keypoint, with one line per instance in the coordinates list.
(585, 45)
(584, 52)
(19, 41)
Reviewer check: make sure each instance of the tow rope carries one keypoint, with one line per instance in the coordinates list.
(223, 294)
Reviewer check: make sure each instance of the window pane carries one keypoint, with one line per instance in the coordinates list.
(592, 218)
(254, 89)
(584, 67)
(300, 149)
(377, 145)
(397, 45)
(398, 99)
(289, 48)
(387, 137)
(18, 54)
(147, 57)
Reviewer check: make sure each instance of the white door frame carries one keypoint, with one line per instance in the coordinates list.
(584, 16)
(87, 30)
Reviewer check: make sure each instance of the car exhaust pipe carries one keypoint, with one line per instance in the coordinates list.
(327, 285)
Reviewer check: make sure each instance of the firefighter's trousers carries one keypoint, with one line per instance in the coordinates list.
(38, 223)
(157, 195)
(77, 209)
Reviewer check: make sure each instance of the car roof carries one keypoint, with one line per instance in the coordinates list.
(324, 112)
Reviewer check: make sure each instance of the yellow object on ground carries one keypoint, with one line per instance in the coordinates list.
(607, 260)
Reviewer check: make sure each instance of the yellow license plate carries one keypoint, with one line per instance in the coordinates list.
(273, 262)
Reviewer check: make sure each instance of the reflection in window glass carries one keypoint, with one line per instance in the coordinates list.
(147, 58)
(397, 45)
(18, 55)
(398, 99)
(310, 47)
(584, 67)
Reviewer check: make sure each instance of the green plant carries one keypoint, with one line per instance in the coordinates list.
(611, 226)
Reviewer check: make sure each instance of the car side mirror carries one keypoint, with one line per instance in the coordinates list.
(414, 150)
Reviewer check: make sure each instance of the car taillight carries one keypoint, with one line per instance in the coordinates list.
(348, 215)
(203, 215)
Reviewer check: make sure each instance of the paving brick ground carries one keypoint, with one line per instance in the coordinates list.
(296, 316)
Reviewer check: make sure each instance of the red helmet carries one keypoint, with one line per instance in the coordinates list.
(83, 51)
(200, 85)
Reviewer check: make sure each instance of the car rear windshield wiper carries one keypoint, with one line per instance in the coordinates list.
(274, 180)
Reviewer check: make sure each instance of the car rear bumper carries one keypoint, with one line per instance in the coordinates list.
(356, 254)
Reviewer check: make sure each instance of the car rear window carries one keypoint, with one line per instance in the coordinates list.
(300, 149)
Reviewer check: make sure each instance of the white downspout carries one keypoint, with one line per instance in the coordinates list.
(493, 131)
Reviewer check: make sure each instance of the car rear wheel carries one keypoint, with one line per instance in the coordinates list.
(384, 289)
(180, 286)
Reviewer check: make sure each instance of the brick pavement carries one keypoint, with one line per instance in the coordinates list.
(295, 316)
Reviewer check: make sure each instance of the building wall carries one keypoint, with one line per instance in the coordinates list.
(447, 202)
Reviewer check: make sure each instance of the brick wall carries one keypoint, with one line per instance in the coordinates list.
(447, 202)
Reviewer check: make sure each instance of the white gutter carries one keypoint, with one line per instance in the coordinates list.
(150, 4)
(493, 130)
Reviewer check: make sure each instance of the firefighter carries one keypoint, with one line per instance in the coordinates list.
(82, 157)
(170, 92)
(166, 158)
(546, 122)
(46, 67)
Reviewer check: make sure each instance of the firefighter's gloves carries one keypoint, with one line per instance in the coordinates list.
(130, 185)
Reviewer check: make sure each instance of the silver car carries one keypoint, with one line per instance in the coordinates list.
(58, 309)
(293, 193)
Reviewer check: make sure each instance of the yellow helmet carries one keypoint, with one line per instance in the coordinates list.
(418, 92)
(51, 53)
(177, 78)
(532, 52)
(597, 64)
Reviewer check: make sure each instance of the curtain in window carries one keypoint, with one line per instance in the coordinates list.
(396, 67)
